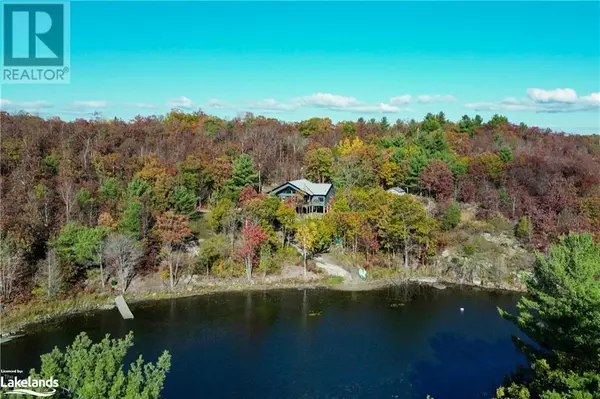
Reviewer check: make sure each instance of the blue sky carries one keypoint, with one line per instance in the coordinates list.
(535, 62)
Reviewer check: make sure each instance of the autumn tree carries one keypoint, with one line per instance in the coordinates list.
(357, 165)
(286, 217)
(49, 274)
(406, 227)
(225, 219)
(11, 267)
(390, 174)
(123, 254)
(318, 163)
(253, 237)
(67, 191)
(314, 127)
(196, 177)
(487, 165)
(437, 179)
(313, 235)
(160, 179)
(305, 236)
(247, 194)
(172, 229)
(263, 209)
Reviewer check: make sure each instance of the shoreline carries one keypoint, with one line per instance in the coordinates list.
(105, 301)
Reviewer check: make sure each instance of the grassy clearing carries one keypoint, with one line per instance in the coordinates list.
(44, 309)
(335, 280)
(385, 273)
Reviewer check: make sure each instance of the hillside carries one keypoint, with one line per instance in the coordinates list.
(68, 187)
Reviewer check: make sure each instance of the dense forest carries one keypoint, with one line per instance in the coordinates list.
(125, 197)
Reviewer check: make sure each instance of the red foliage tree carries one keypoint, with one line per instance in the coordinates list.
(247, 194)
(437, 179)
(254, 238)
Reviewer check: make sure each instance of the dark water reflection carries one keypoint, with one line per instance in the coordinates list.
(391, 343)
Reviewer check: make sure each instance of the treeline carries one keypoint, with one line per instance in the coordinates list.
(126, 195)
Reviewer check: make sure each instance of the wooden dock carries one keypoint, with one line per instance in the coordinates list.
(123, 308)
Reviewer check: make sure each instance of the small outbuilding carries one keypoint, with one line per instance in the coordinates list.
(396, 190)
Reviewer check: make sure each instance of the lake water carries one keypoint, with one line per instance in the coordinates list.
(390, 343)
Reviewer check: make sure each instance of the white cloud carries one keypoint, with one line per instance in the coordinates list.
(336, 102)
(543, 101)
(592, 98)
(181, 102)
(24, 105)
(504, 105)
(436, 98)
(271, 105)
(215, 103)
(550, 96)
(400, 100)
(90, 104)
(140, 105)
(327, 100)
(375, 108)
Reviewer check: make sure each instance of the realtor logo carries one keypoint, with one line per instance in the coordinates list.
(35, 42)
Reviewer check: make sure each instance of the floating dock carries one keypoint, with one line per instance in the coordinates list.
(123, 308)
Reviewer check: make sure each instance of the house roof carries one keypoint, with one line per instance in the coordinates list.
(397, 190)
(308, 187)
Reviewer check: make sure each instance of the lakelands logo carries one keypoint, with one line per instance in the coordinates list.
(23, 387)
(35, 42)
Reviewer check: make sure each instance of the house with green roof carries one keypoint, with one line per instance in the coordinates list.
(309, 197)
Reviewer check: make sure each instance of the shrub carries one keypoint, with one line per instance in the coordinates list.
(451, 217)
(523, 229)
(229, 268)
(469, 249)
(212, 251)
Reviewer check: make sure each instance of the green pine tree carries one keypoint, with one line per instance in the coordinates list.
(87, 370)
(561, 314)
(244, 175)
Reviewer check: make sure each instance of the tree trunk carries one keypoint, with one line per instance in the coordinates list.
(101, 276)
(259, 181)
(121, 274)
(49, 289)
(284, 236)
(249, 268)
(304, 255)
